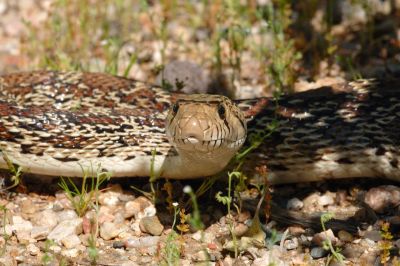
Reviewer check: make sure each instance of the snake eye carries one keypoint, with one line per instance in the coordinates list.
(221, 111)
(175, 108)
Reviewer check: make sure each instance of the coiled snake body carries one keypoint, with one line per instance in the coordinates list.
(61, 123)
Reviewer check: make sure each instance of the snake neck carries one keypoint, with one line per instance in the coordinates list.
(190, 164)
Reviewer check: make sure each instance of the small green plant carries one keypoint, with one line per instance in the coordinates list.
(385, 244)
(16, 171)
(227, 200)
(81, 199)
(195, 219)
(327, 244)
(282, 56)
(6, 237)
(92, 249)
(47, 256)
(171, 252)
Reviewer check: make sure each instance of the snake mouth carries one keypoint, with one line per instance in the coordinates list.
(208, 145)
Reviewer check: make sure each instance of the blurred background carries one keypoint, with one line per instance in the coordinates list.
(236, 47)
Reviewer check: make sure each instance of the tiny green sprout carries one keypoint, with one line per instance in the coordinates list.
(16, 172)
(327, 243)
(6, 237)
(195, 220)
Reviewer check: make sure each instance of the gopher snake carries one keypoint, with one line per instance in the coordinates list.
(58, 123)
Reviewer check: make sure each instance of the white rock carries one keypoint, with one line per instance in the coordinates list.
(109, 230)
(323, 236)
(111, 196)
(137, 208)
(71, 241)
(142, 242)
(33, 249)
(294, 204)
(19, 224)
(132, 208)
(40, 232)
(67, 215)
(70, 253)
(46, 218)
(325, 200)
(66, 228)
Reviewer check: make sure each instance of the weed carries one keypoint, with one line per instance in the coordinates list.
(172, 250)
(81, 199)
(195, 219)
(183, 225)
(6, 237)
(327, 244)
(386, 243)
(282, 55)
(227, 200)
(92, 249)
(47, 256)
(16, 171)
(82, 35)
(349, 64)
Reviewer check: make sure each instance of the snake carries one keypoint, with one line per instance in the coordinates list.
(55, 123)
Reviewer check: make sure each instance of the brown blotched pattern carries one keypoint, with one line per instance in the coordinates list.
(348, 130)
(70, 115)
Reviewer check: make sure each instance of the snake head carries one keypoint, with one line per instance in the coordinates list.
(206, 126)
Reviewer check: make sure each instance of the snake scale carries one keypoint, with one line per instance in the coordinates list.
(61, 123)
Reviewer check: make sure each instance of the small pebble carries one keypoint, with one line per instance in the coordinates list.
(47, 218)
(66, 228)
(318, 252)
(326, 200)
(58, 206)
(133, 208)
(118, 244)
(21, 225)
(345, 236)
(373, 235)
(240, 229)
(33, 249)
(151, 225)
(383, 197)
(40, 232)
(296, 230)
(28, 207)
(305, 241)
(294, 204)
(352, 251)
(67, 215)
(111, 196)
(319, 238)
(71, 241)
(109, 230)
(70, 253)
(290, 244)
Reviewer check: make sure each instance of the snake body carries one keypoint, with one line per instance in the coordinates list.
(63, 123)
